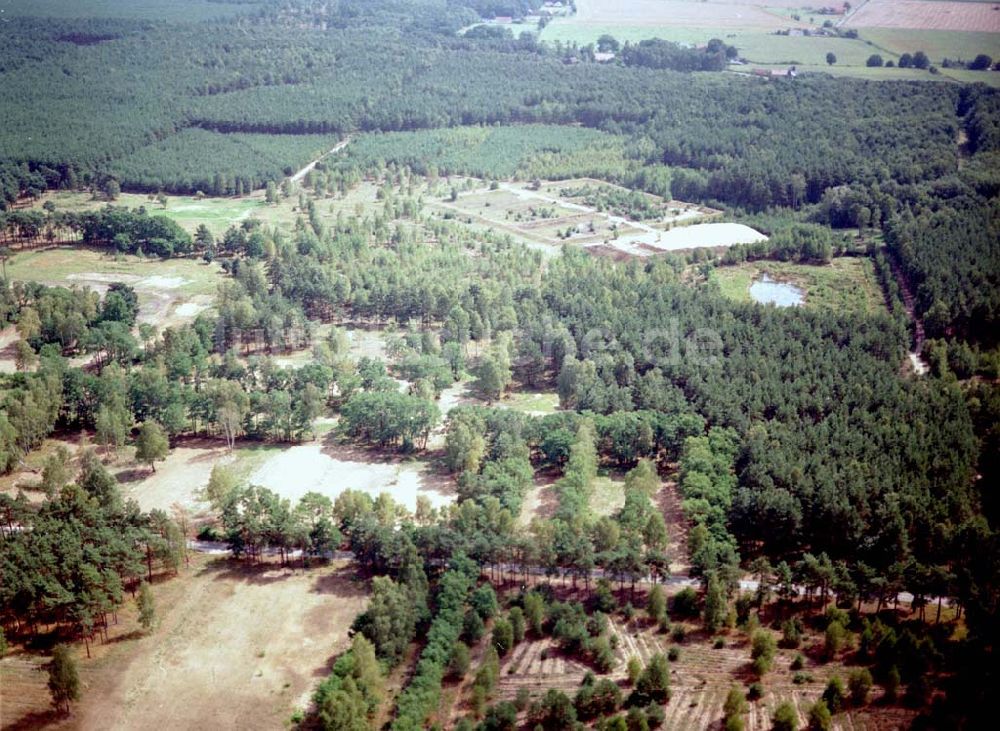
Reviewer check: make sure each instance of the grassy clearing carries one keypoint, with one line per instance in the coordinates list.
(170, 291)
(190, 212)
(67, 265)
(218, 214)
(532, 403)
(261, 635)
(608, 496)
(846, 284)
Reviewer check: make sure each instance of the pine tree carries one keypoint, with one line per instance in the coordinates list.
(785, 718)
(64, 681)
(715, 604)
(147, 608)
(152, 444)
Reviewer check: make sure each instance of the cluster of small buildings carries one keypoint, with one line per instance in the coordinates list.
(789, 73)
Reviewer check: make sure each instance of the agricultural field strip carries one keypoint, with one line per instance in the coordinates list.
(926, 15)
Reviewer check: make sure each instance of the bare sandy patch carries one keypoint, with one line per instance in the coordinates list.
(178, 480)
(161, 282)
(541, 501)
(8, 339)
(366, 343)
(237, 648)
(189, 309)
(332, 469)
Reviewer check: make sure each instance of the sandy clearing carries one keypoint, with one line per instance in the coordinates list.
(156, 295)
(541, 500)
(238, 648)
(177, 480)
(8, 339)
(189, 309)
(366, 343)
(695, 236)
(332, 469)
(455, 395)
(159, 281)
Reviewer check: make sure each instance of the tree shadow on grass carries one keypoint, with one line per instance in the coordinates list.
(36, 720)
(133, 474)
(126, 637)
(263, 573)
(341, 582)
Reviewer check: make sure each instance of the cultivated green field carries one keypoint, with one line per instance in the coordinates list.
(846, 284)
(937, 44)
(802, 50)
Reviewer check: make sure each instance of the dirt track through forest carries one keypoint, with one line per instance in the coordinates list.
(297, 177)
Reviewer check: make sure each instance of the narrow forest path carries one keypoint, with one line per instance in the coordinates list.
(669, 500)
(916, 358)
(297, 177)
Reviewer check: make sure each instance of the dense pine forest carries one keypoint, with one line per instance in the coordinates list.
(805, 455)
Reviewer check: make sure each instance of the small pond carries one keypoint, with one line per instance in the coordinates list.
(781, 294)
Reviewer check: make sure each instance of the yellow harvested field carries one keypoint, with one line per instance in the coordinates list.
(927, 15)
(736, 14)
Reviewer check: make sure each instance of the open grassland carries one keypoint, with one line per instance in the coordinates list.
(236, 647)
(845, 284)
(926, 14)
(973, 77)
